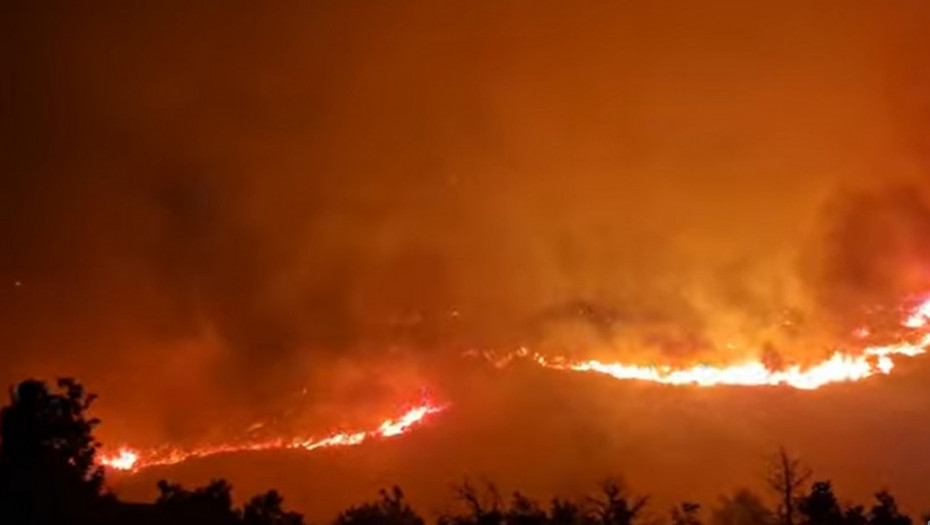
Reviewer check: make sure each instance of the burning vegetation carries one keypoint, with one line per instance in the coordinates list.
(48, 476)
(132, 460)
(839, 367)
(672, 234)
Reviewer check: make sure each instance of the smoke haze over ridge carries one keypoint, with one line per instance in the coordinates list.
(212, 212)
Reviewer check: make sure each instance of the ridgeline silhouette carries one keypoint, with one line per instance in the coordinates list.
(48, 475)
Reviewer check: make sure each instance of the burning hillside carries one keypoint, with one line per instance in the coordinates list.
(839, 367)
(132, 459)
(297, 214)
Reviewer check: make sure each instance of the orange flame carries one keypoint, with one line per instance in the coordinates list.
(919, 317)
(133, 460)
(838, 367)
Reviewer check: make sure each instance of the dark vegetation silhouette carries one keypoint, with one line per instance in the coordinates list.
(742, 508)
(391, 509)
(48, 475)
(787, 477)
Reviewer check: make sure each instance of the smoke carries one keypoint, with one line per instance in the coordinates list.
(875, 255)
(212, 215)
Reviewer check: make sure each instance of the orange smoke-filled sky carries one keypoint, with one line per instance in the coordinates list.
(214, 214)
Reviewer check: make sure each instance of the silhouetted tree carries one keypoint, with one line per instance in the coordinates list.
(524, 511)
(266, 509)
(616, 507)
(820, 506)
(47, 469)
(208, 505)
(482, 509)
(786, 477)
(48, 476)
(564, 512)
(885, 511)
(391, 509)
(855, 515)
(212, 505)
(742, 508)
(686, 514)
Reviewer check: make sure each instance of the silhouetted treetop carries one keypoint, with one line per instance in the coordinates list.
(615, 506)
(820, 506)
(787, 477)
(391, 509)
(885, 511)
(525, 511)
(266, 509)
(688, 513)
(47, 468)
(208, 505)
(742, 508)
(45, 429)
(566, 512)
(212, 505)
(48, 475)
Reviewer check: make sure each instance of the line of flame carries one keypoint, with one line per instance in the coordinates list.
(838, 367)
(133, 460)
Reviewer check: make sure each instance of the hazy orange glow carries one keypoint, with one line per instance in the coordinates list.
(838, 367)
(133, 460)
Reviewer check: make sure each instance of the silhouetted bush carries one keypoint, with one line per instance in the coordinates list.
(885, 511)
(47, 469)
(266, 509)
(686, 514)
(48, 475)
(820, 506)
(742, 508)
(391, 509)
(208, 505)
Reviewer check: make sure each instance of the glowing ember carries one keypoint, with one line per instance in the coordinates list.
(134, 460)
(838, 367)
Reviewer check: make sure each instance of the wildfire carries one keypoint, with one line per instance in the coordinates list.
(919, 317)
(838, 367)
(133, 460)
